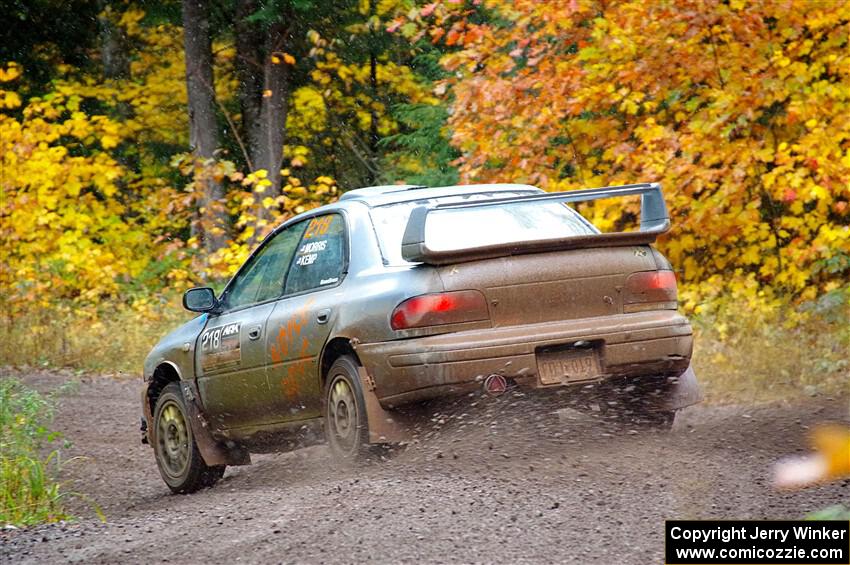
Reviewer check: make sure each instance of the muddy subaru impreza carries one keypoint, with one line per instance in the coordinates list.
(348, 315)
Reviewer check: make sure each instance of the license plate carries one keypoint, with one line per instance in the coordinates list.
(564, 366)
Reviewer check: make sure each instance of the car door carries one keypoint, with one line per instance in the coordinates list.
(300, 323)
(230, 353)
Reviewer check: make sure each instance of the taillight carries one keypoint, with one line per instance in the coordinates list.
(439, 309)
(650, 290)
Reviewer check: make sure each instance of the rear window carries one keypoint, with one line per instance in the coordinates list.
(466, 228)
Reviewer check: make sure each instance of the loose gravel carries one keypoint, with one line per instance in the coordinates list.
(488, 481)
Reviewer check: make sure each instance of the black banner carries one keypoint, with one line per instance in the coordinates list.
(745, 542)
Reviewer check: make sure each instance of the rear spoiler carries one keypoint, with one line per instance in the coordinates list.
(654, 220)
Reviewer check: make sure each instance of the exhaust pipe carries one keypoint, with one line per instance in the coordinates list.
(495, 385)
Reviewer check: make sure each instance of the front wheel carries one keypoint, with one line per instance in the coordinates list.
(177, 455)
(346, 428)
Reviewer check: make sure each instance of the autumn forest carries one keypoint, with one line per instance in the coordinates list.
(147, 146)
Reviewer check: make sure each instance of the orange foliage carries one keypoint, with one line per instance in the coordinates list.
(740, 109)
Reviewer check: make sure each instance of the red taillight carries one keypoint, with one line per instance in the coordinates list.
(650, 290)
(439, 309)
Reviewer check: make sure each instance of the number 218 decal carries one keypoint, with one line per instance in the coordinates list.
(211, 339)
(318, 226)
(220, 347)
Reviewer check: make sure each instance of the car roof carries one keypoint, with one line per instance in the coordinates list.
(392, 194)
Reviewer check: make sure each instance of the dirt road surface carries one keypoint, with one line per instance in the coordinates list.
(499, 482)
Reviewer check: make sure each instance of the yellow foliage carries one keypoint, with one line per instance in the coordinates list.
(341, 92)
(65, 233)
(249, 229)
(9, 100)
(10, 73)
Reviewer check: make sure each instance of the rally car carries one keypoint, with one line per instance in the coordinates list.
(394, 295)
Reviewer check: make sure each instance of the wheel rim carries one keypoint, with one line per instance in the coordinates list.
(343, 414)
(172, 439)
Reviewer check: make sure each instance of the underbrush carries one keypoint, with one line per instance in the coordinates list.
(111, 338)
(28, 492)
(746, 353)
(837, 512)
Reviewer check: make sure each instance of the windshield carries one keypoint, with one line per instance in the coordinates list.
(466, 228)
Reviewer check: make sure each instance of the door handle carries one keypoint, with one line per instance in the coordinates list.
(323, 316)
(254, 333)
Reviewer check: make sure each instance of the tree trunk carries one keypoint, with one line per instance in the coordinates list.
(113, 44)
(203, 128)
(271, 127)
(374, 138)
(115, 60)
(249, 72)
(263, 95)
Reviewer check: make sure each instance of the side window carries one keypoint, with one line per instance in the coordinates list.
(262, 279)
(320, 257)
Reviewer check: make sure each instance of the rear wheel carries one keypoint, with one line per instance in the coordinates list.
(346, 428)
(177, 455)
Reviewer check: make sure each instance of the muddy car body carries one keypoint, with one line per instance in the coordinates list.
(348, 314)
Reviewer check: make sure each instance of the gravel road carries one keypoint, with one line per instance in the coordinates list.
(499, 482)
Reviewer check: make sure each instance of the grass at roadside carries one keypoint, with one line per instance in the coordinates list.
(28, 492)
(745, 355)
(113, 338)
(837, 512)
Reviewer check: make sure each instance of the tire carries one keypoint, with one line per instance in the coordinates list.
(177, 455)
(346, 426)
(212, 475)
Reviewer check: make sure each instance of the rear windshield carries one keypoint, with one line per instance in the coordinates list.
(467, 228)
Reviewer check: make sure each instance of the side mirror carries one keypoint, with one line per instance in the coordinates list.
(201, 299)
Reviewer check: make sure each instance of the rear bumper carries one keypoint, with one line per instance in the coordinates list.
(629, 345)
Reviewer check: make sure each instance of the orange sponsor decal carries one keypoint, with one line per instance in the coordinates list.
(284, 348)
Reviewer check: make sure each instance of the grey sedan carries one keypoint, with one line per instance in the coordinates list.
(346, 316)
